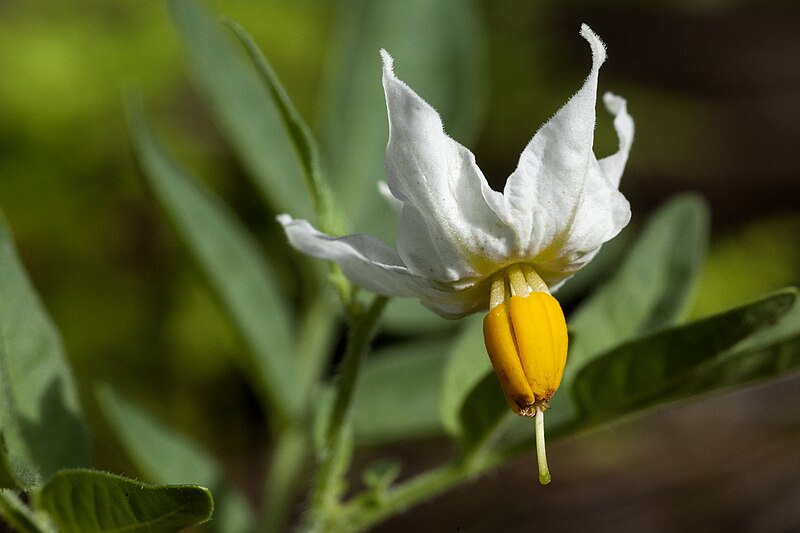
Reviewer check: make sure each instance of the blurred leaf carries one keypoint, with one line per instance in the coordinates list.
(652, 287)
(609, 257)
(244, 108)
(164, 456)
(439, 50)
(21, 517)
(785, 330)
(767, 354)
(482, 413)
(8, 474)
(40, 417)
(407, 316)
(467, 363)
(330, 219)
(88, 501)
(396, 396)
(316, 335)
(380, 474)
(681, 362)
(233, 264)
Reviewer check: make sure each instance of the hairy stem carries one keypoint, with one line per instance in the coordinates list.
(332, 464)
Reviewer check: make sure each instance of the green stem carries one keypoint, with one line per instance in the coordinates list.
(364, 511)
(286, 469)
(325, 495)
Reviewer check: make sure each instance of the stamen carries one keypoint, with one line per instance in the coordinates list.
(535, 281)
(498, 292)
(519, 285)
(541, 453)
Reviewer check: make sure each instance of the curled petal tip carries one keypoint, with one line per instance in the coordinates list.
(598, 47)
(388, 62)
(615, 104)
(284, 219)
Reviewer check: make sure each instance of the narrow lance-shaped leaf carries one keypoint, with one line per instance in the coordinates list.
(330, 219)
(482, 413)
(40, 417)
(651, 289)
(396, 397)
(682, 362)
(88, 501)
(245, 110)
(21, 517)
(407, 316)
(165, 456)
(9, 475)
(233, 264)
(467, 364)
(676, 363)
(770, 353)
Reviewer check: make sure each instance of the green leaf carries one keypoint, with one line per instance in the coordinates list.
(380, 474)
(244, 109)
(233, 264)
(680, 362)
(396, 396)
(407, 316)
(482, 414)
(9, 474)
(330, 219)
(40, 417)
(785, 330)
(610, 255)
(467, 364)
(164, 456)
(651, 289)
(768, 354)
(88, 501)
(438, 46)
(21, 517)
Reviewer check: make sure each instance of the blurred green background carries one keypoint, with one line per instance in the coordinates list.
(714, 87)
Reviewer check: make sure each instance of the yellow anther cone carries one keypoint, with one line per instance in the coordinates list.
(526, 339)
(502, 348)
(541, 333)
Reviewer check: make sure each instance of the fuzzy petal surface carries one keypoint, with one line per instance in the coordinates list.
(372, 265)
(447, 228)
(559, 201)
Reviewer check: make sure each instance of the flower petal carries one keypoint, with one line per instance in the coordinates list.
(558, 200)
(372, 265)
(447, 230)
(613, 165)
(364, 259)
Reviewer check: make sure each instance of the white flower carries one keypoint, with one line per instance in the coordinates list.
(455, 233)
(462, 247)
